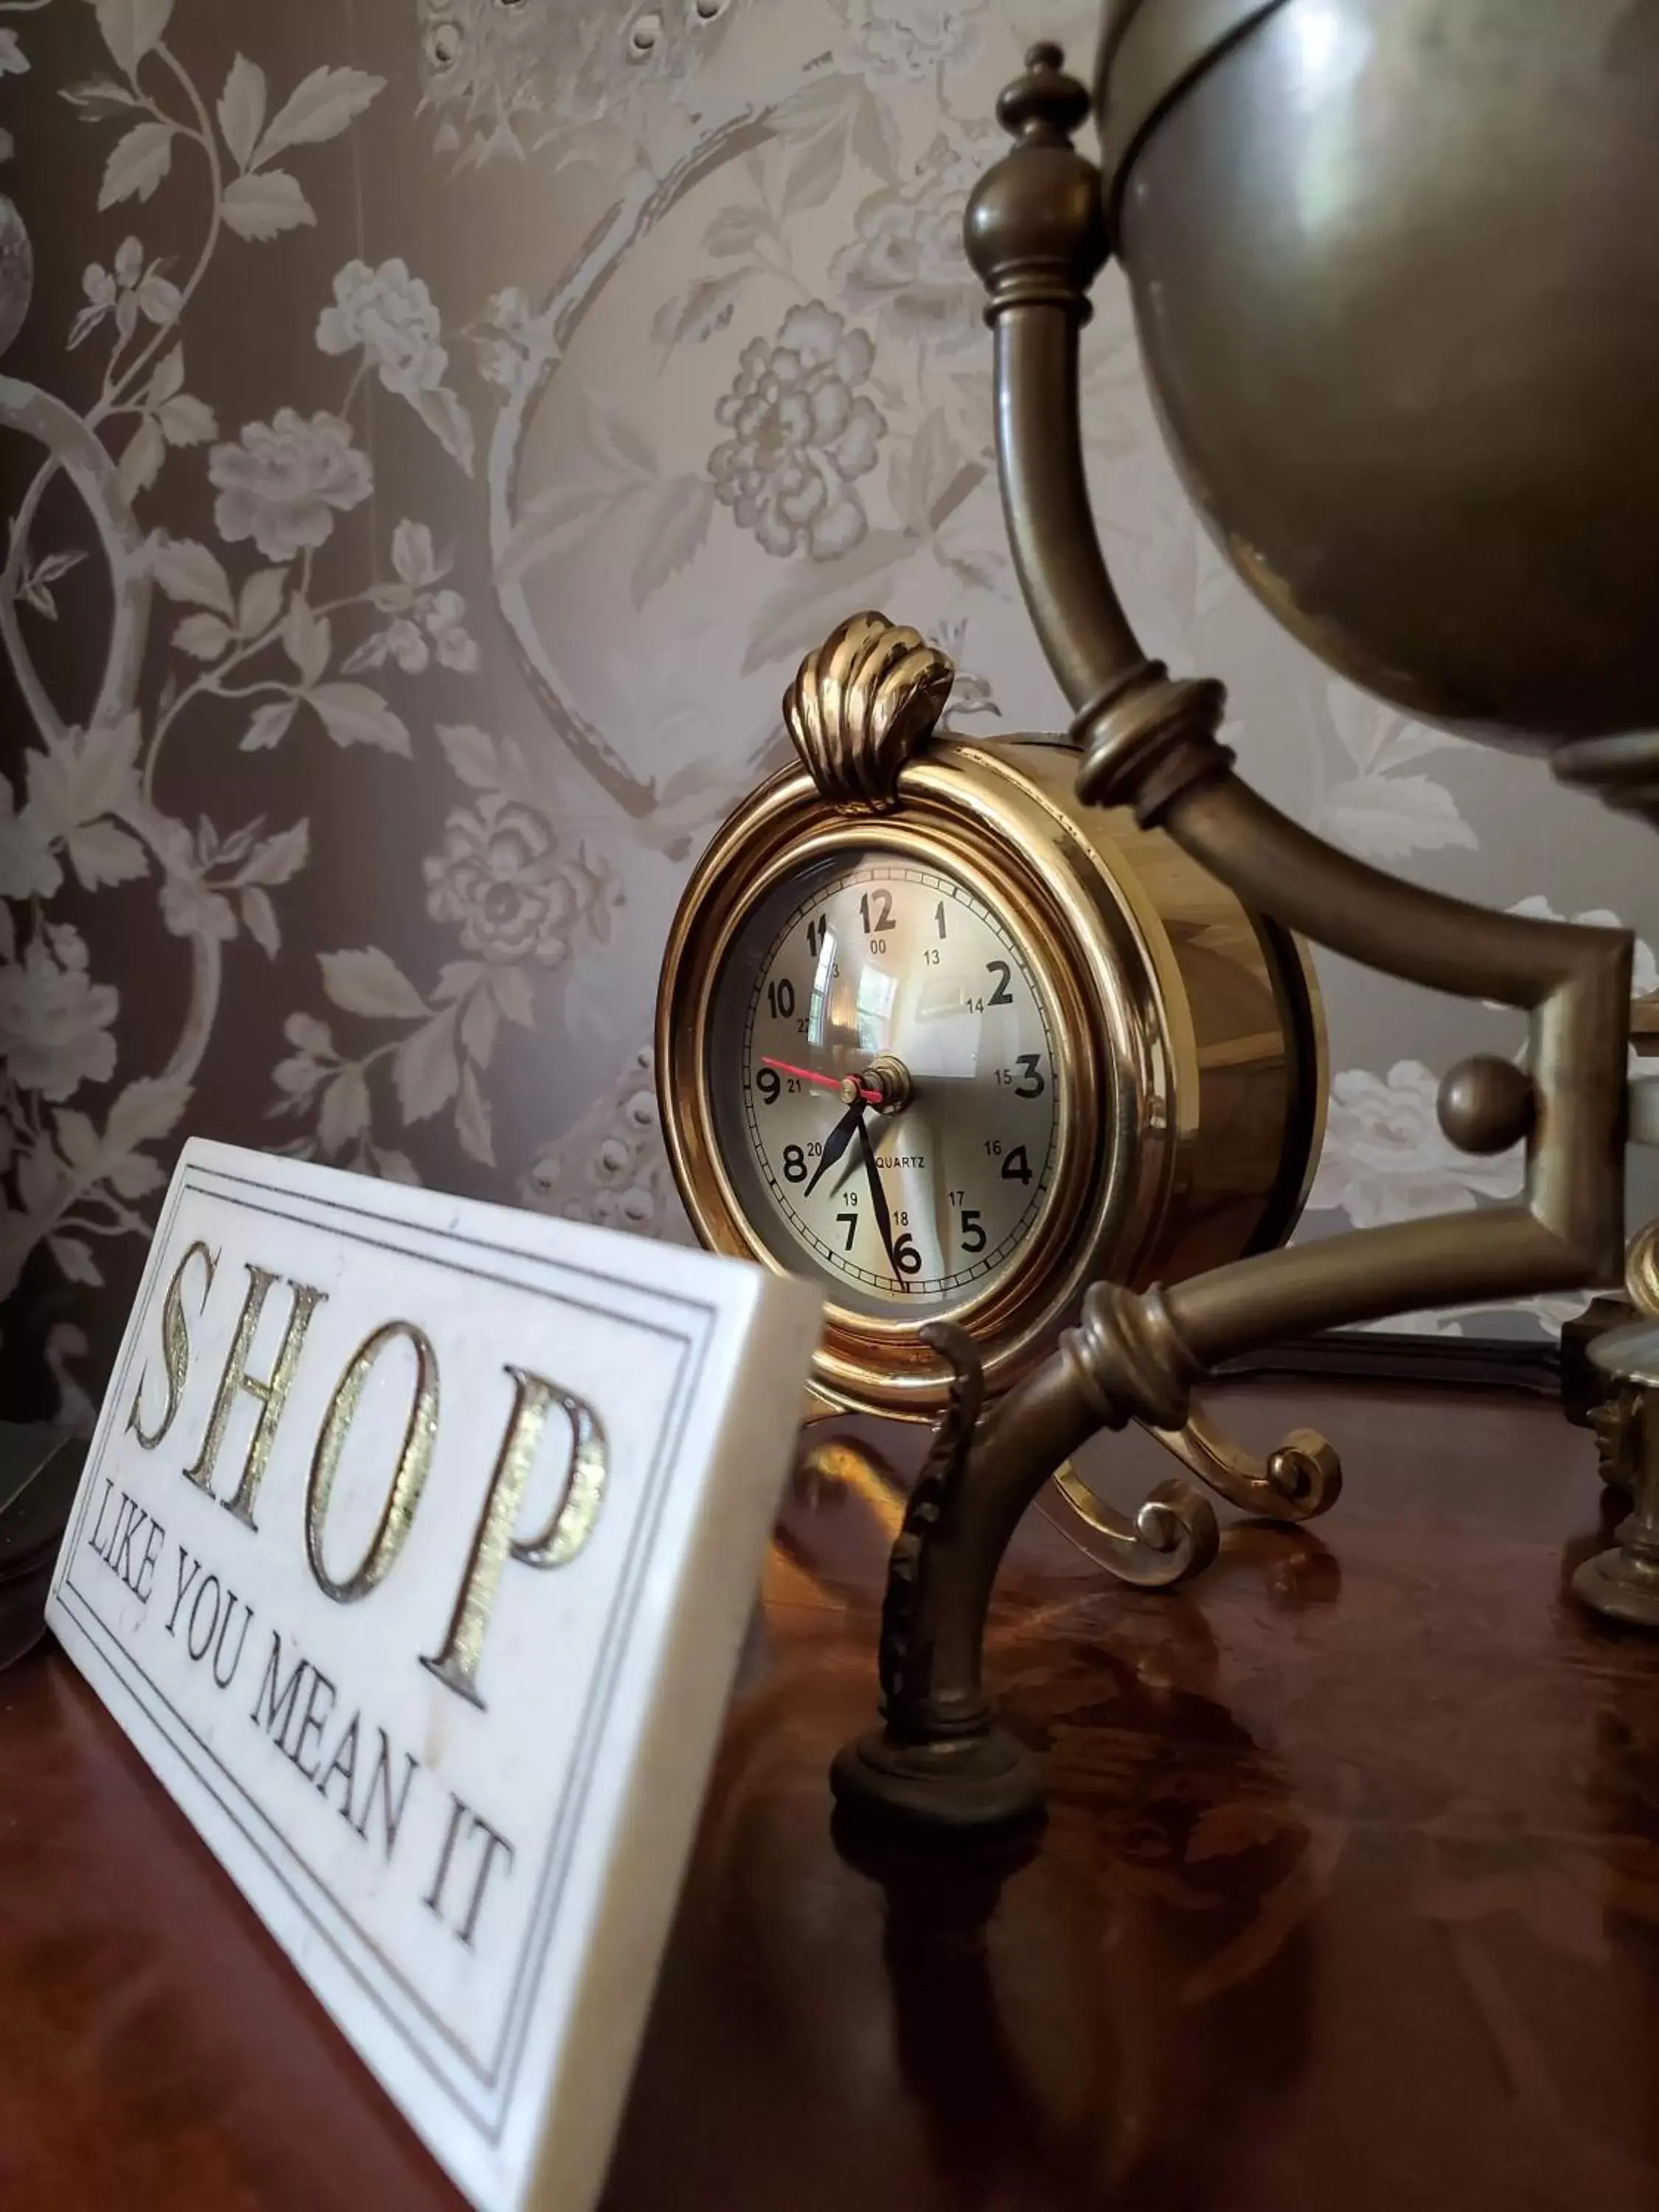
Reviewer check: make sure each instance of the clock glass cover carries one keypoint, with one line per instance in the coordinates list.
(883, 1083)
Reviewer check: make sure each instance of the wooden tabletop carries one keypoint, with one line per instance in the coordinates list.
(1349, 1896)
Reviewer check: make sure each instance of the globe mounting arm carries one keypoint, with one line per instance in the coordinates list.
(1037, 234)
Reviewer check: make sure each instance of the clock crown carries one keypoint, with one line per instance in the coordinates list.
(860, 705)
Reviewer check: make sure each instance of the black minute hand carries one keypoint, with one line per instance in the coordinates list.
(879, 1203)
(837, 1143)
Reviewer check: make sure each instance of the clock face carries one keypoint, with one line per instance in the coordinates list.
(884, 1082)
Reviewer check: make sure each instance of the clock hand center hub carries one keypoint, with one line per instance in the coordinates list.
(889, 1078)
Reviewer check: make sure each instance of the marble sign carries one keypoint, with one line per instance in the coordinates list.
(414, 1552)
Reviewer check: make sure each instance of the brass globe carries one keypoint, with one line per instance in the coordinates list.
(1395, 270)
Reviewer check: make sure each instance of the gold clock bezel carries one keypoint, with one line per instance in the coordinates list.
(1126, 1058)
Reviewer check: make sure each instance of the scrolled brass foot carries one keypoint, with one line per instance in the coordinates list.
(1172, 1537)
(1299, 1479)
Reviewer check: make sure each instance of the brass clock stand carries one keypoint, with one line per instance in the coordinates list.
(1036, 231)
(1184, 1069)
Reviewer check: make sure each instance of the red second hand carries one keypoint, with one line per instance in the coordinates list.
(825, 1082)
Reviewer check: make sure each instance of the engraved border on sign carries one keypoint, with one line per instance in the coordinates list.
(499, 2074)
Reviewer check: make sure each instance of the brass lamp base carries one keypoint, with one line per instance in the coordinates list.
(1608, 1364)
(1623, 1584)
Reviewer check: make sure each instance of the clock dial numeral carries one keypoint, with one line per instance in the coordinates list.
(855, 958)
(1030, 1082)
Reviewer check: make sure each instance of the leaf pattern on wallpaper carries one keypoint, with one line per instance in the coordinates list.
(93, 801)
(379, 666)
(666, 515)
(521, 897)
(1377, 812)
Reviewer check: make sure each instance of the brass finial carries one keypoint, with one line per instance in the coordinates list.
(1045, 107)
(860, 705)
(1034, 227)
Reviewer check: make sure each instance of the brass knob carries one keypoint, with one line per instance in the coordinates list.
(1486, 1104)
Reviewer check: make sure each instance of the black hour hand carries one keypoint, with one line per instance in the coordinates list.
(836, 1144)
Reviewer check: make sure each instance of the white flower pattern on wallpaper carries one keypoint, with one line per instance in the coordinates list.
(915, 40)
(426, 624)
(817, 415)
(906, 266)
(803, 432)
(387, 316)
(282, 483)
(390, 315)
(515, 894)
(55, 1022)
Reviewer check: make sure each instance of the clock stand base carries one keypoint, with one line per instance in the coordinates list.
(987, 1780)
(939, 1761)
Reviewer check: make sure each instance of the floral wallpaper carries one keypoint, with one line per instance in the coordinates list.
(433, 430)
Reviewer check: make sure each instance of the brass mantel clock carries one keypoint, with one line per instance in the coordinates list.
(935, 1034)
